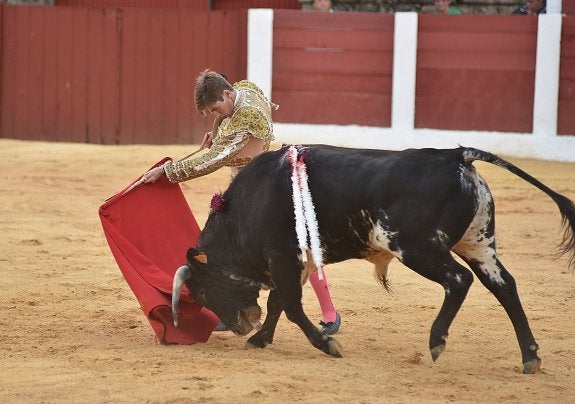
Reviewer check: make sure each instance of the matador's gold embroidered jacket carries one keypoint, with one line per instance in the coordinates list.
(251, 118)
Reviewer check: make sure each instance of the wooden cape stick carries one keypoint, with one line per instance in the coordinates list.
(141, 180)
(215, 127)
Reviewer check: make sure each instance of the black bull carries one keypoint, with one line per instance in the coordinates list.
(418, 206)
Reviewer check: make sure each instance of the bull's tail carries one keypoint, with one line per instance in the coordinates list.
(565, 205)
(182, 275)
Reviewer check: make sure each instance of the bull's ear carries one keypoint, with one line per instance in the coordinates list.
(201, 257)
(194, 254)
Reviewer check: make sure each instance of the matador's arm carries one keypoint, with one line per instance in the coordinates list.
(219, 155)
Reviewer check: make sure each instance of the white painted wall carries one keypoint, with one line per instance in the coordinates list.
(543, 143)
(260, 48)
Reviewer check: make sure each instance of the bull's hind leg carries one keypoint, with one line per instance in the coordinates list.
(494, 276)
(441, 267)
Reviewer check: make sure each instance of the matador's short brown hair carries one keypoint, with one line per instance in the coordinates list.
(209, 89)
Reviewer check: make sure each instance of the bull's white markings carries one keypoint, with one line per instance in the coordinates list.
(458, 278)
(379, 237)
(440, 238)
(247, 281)
(475, 243)
(304, 210)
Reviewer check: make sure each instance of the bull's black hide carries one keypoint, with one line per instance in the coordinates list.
(418, 206)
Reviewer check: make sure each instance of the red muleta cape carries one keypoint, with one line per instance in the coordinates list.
(149, 230)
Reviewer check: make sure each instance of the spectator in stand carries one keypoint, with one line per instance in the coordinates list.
(322, 5)
(444, 7)
(532, 7)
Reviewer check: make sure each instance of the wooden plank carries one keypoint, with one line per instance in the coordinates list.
(356, 108)
(244, 4)
(333, 21)
(199, 51)
(154, 101)
(51, 70)
(476, 23)
(475, 100)
(79, 50)
(487, 60)
(566, 120)
(361, 40)
(293, 80)
(110, 91)
(567, 68)
(169, 113)
(63, 76)
(35, 72)
(348, 62)
(566, 106)
(477, 41)
(10, 48)
(475, 83)
(568, 37)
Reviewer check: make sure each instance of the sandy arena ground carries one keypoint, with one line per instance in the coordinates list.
(71, 330)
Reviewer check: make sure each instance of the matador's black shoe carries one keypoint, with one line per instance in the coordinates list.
(331, 327)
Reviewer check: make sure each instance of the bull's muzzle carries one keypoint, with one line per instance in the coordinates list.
(247, 320)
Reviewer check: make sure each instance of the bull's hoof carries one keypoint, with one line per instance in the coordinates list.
(435, 352)
(334, 348)
(532, 366)
(250, 345)
(254, 342)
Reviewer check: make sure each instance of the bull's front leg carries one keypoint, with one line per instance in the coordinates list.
(286, 273)
(265, 336)
(329, 345)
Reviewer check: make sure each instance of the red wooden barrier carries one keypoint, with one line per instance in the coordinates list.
(332, 68)
(566, 109)
(113, 75)
(187, 4)
(127, 75)
(243, 4)
(476, 72)
(568, 7)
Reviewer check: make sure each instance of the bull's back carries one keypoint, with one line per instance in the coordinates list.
(355, 189)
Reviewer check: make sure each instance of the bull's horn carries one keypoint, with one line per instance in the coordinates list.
(182, 275)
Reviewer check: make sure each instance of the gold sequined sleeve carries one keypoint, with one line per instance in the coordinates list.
(250, 118)
(222, 151)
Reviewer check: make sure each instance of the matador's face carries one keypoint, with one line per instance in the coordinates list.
(224, 107)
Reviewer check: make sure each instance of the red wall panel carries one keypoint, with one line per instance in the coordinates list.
(332, 68)
(162, 53)
(113, 75)
(187, 4)
(475, 72)
(52, 64)
(244, 4)
(568, 7)
(566, 107)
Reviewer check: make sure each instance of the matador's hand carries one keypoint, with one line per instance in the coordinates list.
(153, 175)
(207, 141)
